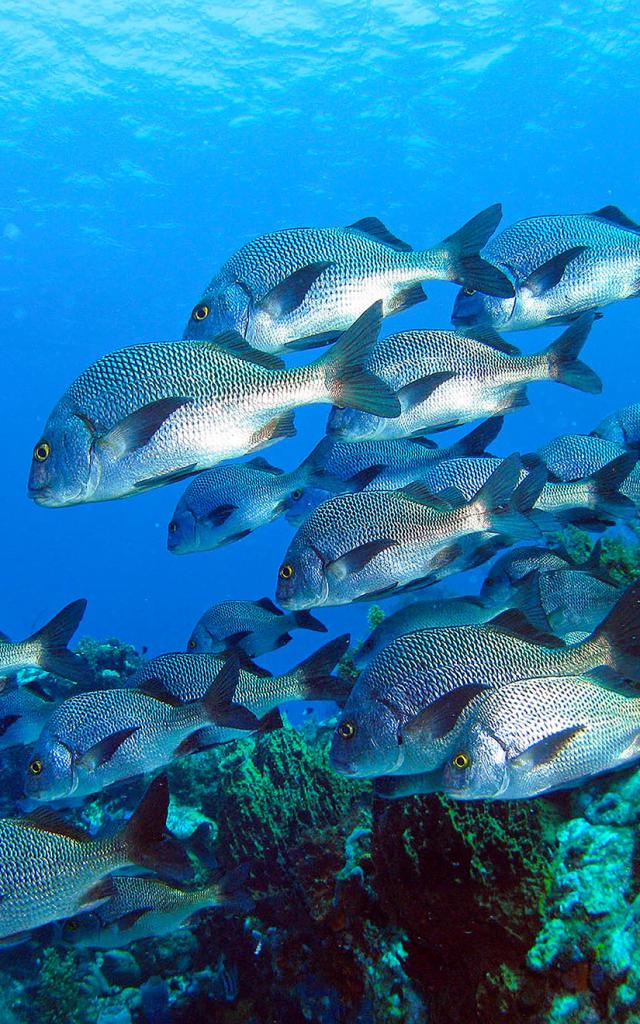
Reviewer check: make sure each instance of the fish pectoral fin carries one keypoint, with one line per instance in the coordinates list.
(218, 700)
(235, 638)
(544, 751)
(97, 894)
(444, 501)
(219, 515)
(356, 559)
(137, 429)
(445, 557)
(279, 427)
(549, 274)
(127, 921)
(374, 228)
(616, 216)
(172, 476)
(234, 343)
(359, 480)
(156, 688)
(101, 753)
(442, 715)
(270, 722)
(514, 621)
(419, 390)
(282, 640)
(290, 293)
(7, 722)
(268, 606)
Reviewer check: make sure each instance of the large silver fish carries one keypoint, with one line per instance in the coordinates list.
(50, 869)
(445, 379)
(560, 266)
(47, 648)
(24, 711)
(621, 426)
(143, 908)
(571, 600)
(441, 672)
(250, 627)
(574, 456)
(535, 735)
(100, 737)
(151, 414)
(371, 543)
(301, 286)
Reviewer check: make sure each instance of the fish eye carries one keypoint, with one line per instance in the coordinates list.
(173, 526)
(469, 291)
(191, 645)
(36, 766)
(200, 312)
(346, 730)
(72, 926)
(461, 760)
(286, 571)
(297, 494)
(42, 451)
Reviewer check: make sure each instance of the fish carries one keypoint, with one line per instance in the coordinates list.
(573, 456)
(299, 287)
(622, 427)
(152, 414)
(599, 498)
(23, 713)
(356, 546)
(515, 565)
(571, 600)
(146, 908)
(46, 649)
(250, 627)
(447, 611)
(227, 503)
(51, 869)
(540, 734)
(380, 465)
(440, 673)
(560, 266)
(97, 738)
(445, 379)
(182, 677)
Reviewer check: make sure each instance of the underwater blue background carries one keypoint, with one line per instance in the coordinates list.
(140, 144)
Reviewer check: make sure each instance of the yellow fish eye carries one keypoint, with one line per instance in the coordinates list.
(461, 760)
(36, 766)
(286, 571)
(469, 291)
(191, 645)
(346, 730)
(200, 312)
(42, 451)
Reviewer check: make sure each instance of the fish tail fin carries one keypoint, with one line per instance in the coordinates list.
(562, 358)
(606, 483)
(617, 638)
(313, 675)
(52, 640)
(305, 620)
(229, 893)
(461, 253)
(146, 840)
(347, 382)
(503, 506)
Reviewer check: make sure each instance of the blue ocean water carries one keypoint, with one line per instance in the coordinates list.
(142, 143)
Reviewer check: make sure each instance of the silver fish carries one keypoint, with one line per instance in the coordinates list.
(144, 908)
(379, 465)
(446, 378)
(152, 414)
(97, 738)
(570, 600)
(47, 648)
(299, 287)
(560, 266)
(536, 735)
(518, 563)
(439, 674)
(371, 543)
(574, 456)
(251, 627)
(227, 503)
(621, 426)
(50, 869)
(23, 713)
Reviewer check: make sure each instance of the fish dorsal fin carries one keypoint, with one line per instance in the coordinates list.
(233, 342)
(264, 466)
(544, 751)
(43, 819)
(515, 623)
(267, 604)
(444, 501)
(487, 335)
(290, 293)
(441, 716)
(374, 227)
(550, 273)
(615, 216)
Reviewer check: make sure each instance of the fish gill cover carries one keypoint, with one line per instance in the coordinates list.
(216, 222)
